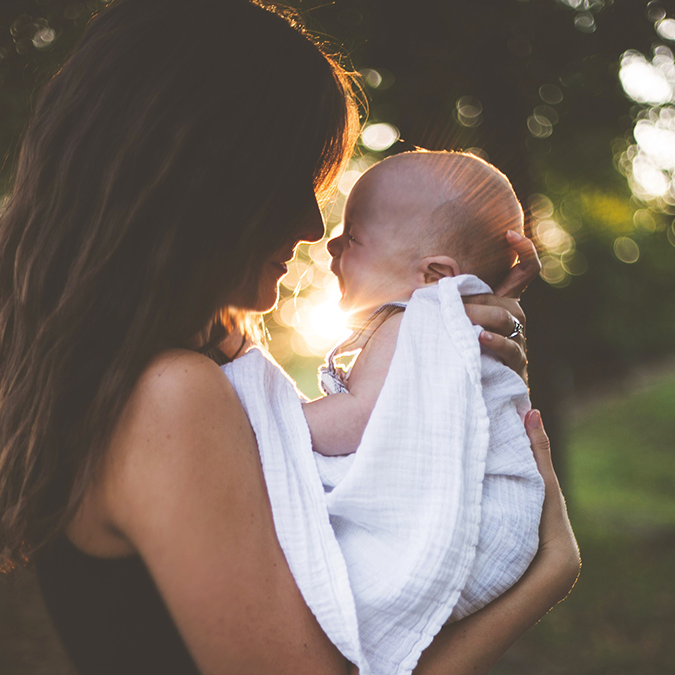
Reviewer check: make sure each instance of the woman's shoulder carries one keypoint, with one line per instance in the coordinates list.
(178, 394)
(177, 376)
(177, 388)
(180, 418)
(175, 385)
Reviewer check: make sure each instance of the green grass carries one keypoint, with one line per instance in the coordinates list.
(622, 459)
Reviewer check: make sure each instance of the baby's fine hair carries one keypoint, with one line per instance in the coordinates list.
(478, 206)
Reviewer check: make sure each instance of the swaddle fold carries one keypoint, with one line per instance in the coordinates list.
(435, 514)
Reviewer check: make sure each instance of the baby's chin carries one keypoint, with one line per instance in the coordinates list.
(345, 305)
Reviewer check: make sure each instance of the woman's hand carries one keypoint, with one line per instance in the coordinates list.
(498, 313)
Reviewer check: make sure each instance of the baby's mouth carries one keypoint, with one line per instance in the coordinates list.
(339, 278)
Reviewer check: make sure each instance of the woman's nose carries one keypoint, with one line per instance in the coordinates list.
(311, 227)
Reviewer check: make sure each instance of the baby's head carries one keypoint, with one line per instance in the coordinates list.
(419, 216)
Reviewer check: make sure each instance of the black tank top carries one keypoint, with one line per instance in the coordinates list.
(109, 614)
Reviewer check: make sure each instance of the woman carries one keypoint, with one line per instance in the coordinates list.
(170, 169)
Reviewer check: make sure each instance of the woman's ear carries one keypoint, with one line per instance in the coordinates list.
(435, 267)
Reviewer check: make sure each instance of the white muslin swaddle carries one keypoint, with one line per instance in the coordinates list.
(436, 513)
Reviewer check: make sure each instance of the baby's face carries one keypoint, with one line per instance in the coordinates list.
(373, 258)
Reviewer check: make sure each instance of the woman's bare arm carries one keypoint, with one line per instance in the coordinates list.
(184, 485)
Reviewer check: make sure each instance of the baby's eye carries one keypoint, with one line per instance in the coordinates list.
(350, 239)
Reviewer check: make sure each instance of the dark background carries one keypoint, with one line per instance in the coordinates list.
(601, 342)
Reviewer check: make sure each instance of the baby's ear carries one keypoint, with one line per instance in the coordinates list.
(435, 267)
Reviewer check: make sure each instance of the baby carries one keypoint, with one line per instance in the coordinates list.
(409, 221)
(422, 500)
(443, 456)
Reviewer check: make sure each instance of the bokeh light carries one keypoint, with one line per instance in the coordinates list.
(645, 81)
(379, 137)
(626, 250)
(469, 111)
(584, 19)
(308, 306)
(539, 126)
(310, 292)
(371, 77)
(550, 93)
(655, 11)
(44, 37)
(585, 22)
(380, 79)
(648, 160)
(671, 235)
(666, 29)
(553, 230)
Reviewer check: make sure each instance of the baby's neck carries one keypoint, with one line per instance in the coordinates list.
(360, 316)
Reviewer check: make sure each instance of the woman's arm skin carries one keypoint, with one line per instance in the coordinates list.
(183, 485)
(473, 645)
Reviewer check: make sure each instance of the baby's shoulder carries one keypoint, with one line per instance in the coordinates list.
(379, 349)
(386, 332)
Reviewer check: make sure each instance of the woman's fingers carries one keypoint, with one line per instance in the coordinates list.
(494, 313)
(497, 316)
(541, 448)
(510, 351)
(527, 269)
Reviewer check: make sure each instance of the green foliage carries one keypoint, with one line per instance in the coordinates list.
(623, 464)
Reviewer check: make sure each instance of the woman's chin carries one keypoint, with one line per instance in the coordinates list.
(267, 300)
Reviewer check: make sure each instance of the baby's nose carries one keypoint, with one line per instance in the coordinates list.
(334, 246)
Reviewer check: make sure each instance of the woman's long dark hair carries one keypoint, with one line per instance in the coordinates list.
(163, 163)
